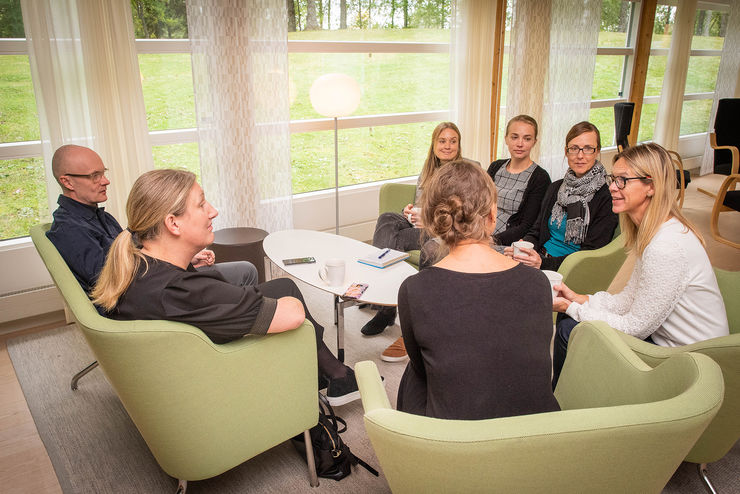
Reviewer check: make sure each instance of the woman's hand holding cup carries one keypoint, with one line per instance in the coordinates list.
(524, 252)
(413, 214)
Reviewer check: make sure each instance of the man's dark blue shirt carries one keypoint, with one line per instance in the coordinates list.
(83, 234)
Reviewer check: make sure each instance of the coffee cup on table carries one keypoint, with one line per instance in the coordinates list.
(332, 272)
(521, 244)
(555, 278)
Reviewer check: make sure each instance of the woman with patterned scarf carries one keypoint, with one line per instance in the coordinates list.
(576, 213)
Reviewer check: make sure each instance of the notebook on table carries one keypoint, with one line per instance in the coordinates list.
(383, 258)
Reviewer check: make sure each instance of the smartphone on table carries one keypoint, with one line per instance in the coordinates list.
(355, 291)
(299, 260)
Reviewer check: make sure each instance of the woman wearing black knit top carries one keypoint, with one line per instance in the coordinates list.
(477, 325)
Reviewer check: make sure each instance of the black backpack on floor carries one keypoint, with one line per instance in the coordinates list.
(333, 457)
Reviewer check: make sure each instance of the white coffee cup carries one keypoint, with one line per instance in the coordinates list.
(414, 211)
(555, 278)
(518, 246)
(332, 272)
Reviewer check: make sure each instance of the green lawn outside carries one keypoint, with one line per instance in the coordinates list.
(391, 83)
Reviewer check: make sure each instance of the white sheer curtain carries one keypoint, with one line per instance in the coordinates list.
(551, 70)
(86, 80)
(728, 78)
(668, 119)
(471, 75)
(240, 78)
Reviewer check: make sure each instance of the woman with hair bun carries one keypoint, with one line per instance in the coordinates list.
(464, 362)
(403, 231)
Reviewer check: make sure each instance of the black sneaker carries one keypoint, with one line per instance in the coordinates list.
(384, 318)
(343, 390)
(323, 382)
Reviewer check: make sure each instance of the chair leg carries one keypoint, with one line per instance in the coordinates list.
(314, 479)
(79, 375)
(702, 468)
(182, 486)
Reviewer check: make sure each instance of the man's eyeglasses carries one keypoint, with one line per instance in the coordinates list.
(96, 177)
(622, 181)
(587, 150)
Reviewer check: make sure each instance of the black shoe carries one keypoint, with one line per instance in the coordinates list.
(343, 390)
(323, 382)
(384, 318)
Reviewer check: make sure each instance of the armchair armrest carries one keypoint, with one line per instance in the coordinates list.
(732, 149)
(371, 386)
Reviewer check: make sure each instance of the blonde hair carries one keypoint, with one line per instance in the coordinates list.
(155, 195)
(458, 203)
(652, 160)
(432, 163)
(523, 119)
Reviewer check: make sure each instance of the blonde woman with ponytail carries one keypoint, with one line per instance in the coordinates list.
(474, 314)
(672, 297)
(148, 275)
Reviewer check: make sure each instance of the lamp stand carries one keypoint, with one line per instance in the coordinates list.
(336, 175)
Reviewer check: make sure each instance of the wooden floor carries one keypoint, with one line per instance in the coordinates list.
(25, 466)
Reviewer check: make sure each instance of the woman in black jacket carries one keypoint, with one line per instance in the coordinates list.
(521, 183)
(576, 213)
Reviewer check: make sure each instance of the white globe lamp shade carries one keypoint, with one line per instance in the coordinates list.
(335, 95)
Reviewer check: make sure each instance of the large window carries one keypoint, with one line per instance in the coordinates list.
(404, 76)
(23, 200)
(399, 56)
(398, 52)
(706, 50)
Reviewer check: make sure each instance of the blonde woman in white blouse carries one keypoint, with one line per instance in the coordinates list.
(672, 297)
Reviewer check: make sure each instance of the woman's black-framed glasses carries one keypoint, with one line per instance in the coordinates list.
(587, 150)
(94, 176)
(622, 181)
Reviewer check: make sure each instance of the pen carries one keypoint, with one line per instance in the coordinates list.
(384, 253)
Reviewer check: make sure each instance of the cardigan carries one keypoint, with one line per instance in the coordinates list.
(600, 229)
(671, 296)
(520, 222)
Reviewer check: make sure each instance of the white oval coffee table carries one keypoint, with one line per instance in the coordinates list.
(383, 284)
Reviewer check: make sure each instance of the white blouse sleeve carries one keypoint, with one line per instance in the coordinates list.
(652, 292)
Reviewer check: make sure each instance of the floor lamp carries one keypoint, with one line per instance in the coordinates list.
(335, 95)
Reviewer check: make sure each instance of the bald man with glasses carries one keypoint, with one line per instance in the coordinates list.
(82, 232)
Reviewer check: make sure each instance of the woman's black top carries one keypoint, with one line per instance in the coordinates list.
(478, 343)
(600, 229)
(520, 222)
(223, 311)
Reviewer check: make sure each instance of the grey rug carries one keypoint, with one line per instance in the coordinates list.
(94, 446)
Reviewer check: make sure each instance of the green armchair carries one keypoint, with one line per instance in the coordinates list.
(624, 427)
(202, 408)
(591, 271)
(392, 199)
(724, 431)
